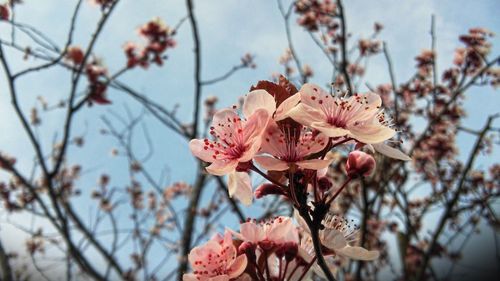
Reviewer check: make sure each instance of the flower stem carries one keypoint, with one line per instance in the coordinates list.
(338, 191)
(264, 175)
(314, 228)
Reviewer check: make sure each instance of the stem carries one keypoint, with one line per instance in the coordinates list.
(338, 191)
(314, 228)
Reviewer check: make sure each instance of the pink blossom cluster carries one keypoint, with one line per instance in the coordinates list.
(276, 249)
(287, 136)
(159, 38)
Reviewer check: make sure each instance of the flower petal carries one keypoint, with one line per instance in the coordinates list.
(189, 277)
(238, 266)
(271, 163)
(333, 239)
(222, 167)
(251, 232)
(314, 164)
(258, 99)
(329, 130)
(390, 152)
(286, 106)
(311, 93)
(252, 133)
(224, 277)
(239, 185)
(197, 147)
(358, 253)
(371, 133)
(306, 115)
(302, 223)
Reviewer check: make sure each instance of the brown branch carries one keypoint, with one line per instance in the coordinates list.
(393, 81)
(74, 86)
(192, 208)
(286, 18)
(343, 46)
(197, 67)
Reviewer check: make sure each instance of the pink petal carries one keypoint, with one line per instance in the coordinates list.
(314, 145)
(200, 252)
(197, 147)
(333, 239)
(278, 229)
(220, 278)
(271, 163)
(358, 253)
(368, 109)
(306, 115)
(252, 133)
(311, 94)
(238, 266)
(251, 232)
(329, 130)
(371, 133)
(314, 164)
(390, 152)
(222, 167)
(189, 277)
(302, 223)
(258, 99)
(272, 140)
(239, 185)
(286, 106)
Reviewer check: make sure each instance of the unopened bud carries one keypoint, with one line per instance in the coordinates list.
(359, 163)
(267, 189)
(324, 184)
(266, 245)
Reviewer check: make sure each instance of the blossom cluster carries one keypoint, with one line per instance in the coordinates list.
(159, 38)
(276, 249)
(287, 136)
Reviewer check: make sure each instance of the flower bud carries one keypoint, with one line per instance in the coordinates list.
(359, 163)
(324, 184)
(247, 248)
(267, 189)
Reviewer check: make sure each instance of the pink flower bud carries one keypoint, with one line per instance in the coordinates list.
(324, 184)
(359, 163)
(268, 189)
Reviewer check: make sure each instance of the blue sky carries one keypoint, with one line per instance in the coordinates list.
(228, 29)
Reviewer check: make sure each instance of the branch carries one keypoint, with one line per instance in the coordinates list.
(197, 67)
(393, 81)
(343, 46)
(449, 206)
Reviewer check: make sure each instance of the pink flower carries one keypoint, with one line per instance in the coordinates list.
(288, 149)
(276, 231)
(235, 141)
(261, 99)
(216, 260)
(337, 238)
(360, 163)
(358, 117)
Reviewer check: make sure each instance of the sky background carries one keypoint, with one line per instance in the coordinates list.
(228, 30)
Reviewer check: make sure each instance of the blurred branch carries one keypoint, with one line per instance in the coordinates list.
(197, 67)
(451, 203)
(286, 17)
(393, 81)
(343, 46)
